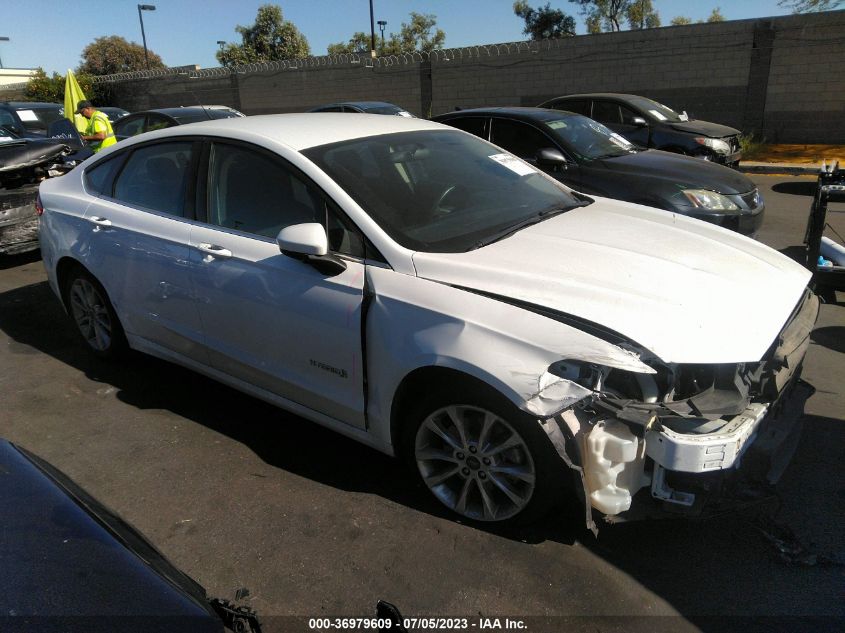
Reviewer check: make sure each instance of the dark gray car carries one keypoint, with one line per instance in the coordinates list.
(587, 156)
(648, 123)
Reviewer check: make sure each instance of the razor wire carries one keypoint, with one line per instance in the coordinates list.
(359, 59)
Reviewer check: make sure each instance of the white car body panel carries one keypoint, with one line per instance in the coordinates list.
(674, 285)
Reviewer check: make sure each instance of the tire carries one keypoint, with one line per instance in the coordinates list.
(93, 316)
(482, 457)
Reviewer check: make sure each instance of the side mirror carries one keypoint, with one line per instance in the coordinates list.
(551, 157)
(638, 121)
(308, 243)
(299, 240)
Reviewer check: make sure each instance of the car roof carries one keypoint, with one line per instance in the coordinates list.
(600, 95)
(34, 104)
(534, 114)
(175, 112)
(301, 130)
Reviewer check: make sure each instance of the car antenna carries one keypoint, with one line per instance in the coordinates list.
(204, 109)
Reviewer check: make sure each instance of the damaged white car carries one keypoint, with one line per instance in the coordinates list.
(420, 290)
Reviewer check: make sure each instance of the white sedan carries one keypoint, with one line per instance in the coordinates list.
(422, 291)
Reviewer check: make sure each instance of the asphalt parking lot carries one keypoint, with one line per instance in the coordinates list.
(240, 494)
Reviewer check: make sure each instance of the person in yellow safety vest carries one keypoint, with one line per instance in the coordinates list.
(98, 133)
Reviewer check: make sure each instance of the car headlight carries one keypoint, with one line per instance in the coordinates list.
(717, 145)
(710, 200)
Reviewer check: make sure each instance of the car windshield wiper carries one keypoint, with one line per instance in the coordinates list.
(544, 214)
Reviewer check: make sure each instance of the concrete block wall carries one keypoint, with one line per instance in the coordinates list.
(781, 78)
(805, 96)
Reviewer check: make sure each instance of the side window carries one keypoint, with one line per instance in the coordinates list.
(8, 121)
(578, 106)
(251, 192)
(472, 124)
(98, 179)
(606, 112)
(157, 122)
(518, 138)
(156, 177)
(331, 109)
(130, 126)
(628, 115)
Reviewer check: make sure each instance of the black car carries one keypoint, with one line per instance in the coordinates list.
(30, 118)
(364, 107)
(148, 120)
(651, 124)
(72, 565)
(114, 114)
(586, 156)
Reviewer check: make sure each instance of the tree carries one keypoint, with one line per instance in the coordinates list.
(545, 22)
(605, 14)
(415, 35)
(680, 20)
(113, 54)
(716, 16)
(271, 38)
(41, 87)
(642, 15)
(807, 6)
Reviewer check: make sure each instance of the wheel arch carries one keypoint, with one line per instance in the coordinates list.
(64, 267)
(425, 378)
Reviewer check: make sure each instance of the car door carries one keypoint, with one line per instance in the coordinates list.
(526, 141)
(271, 320)
(138, 242)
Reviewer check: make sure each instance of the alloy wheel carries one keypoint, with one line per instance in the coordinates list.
(475, 463)
(89, 311)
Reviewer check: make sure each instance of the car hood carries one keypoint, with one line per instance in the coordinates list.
(705, 128)
(685, 171)
(22, 153)
(687, 291)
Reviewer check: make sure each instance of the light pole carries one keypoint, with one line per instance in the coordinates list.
(372, 32)
(381, 25)
(221, 44)
(3, 39)
(145, 7)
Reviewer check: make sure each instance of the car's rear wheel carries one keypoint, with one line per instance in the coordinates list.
(93, 315)
(481, 457)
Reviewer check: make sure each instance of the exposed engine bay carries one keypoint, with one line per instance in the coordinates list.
(682, 422)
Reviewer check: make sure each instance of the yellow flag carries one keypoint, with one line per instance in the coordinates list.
(73, 95)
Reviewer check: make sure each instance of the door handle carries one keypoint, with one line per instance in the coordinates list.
(99, 221)
(214, 250)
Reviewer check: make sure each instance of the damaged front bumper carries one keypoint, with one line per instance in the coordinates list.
(676, 452)
(18, 220)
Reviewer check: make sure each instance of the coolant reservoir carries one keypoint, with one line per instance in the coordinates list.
(613, 465)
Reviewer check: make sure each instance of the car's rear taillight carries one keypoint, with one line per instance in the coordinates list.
(39, 208)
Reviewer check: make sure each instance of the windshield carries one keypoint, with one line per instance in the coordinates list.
(656, 111)
(40, 117)
(441, 190)
(589, 139)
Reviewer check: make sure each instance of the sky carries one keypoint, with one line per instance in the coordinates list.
(52, 33)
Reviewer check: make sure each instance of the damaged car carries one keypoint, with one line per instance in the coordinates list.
(419, 290)
(24, 163)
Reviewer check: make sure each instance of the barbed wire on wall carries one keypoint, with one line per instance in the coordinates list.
(343, 59)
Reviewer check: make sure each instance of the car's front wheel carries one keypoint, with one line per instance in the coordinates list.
(93, 315)
(483, 458)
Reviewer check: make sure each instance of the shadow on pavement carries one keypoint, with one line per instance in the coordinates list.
(796, 188)
(33, 318)
(13, 261)
(832, 337)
